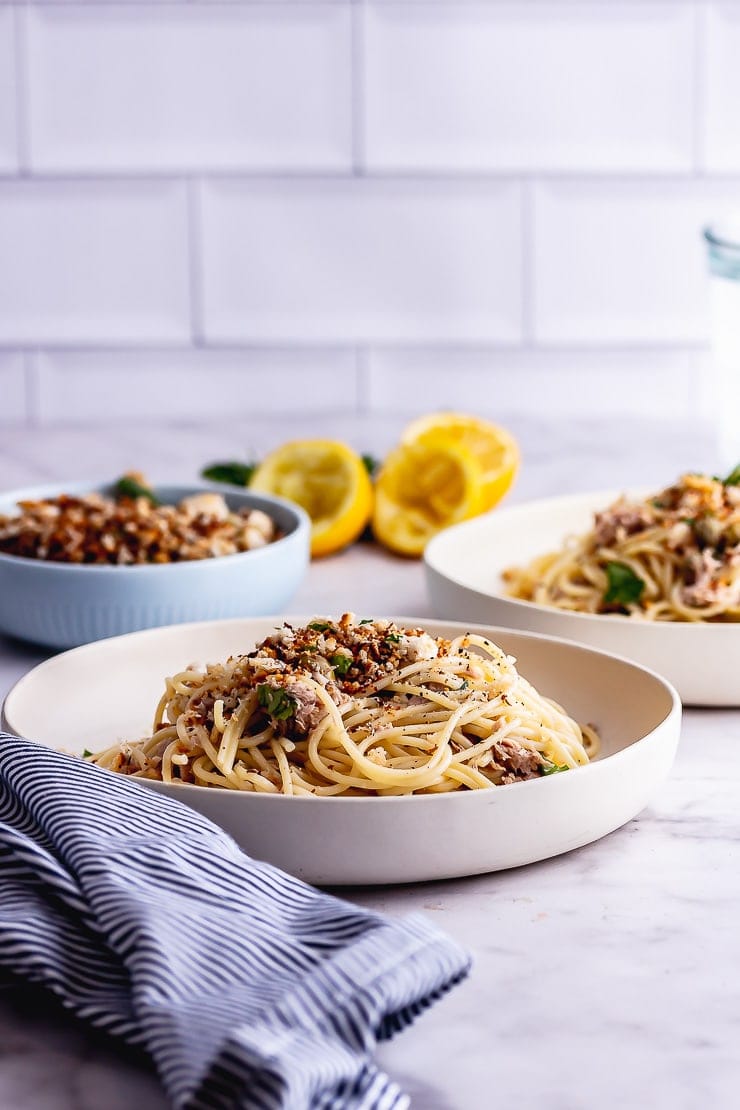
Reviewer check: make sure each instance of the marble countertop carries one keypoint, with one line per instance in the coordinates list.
(603, 980)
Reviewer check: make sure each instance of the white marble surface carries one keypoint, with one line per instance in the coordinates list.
(603, 980)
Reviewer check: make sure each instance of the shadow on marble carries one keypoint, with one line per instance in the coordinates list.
(50, 1060)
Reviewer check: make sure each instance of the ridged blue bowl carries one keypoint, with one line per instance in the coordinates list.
(65, 604)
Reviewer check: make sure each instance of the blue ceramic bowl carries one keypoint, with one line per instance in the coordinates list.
(66, 604)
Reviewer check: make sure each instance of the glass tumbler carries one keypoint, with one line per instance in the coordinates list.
(723, 242)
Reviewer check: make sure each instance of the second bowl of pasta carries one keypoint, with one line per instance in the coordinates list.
(653, 575)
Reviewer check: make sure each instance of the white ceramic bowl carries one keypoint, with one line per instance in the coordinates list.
(463, 572)
(80, 700)
(66, 604)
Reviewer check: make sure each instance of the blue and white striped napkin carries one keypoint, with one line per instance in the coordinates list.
(247, 987)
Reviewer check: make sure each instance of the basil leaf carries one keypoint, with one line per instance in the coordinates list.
(341, 664)
(276, 702)
(319, 626)
(130, 487)
(625, 587)
(733, 478)
(235, 473)
(554, 768)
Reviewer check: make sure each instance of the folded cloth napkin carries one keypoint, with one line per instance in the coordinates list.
(246, 986)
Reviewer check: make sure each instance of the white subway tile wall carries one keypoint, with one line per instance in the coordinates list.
(534, 86)
(310, 206)
(356, 261)
(623, 260)
(191, 385)
(93, 261)
(189, 87)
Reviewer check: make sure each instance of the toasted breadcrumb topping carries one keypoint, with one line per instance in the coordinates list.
(126, 530)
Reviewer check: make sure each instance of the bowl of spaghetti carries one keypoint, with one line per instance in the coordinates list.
(361, 750)
(651, 575)
(82, 562)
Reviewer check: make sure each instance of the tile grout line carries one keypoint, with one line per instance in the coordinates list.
(421, 176)
(364, 343)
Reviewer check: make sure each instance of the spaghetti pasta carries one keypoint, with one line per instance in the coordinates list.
(671, 557)
(355, 709)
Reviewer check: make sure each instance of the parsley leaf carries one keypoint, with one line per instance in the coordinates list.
(276, 702)
(341, 663)
(366, 620)
(733, 478)
(319, 626)
(554, 768)
(235, 473)
(393, 638)
(127, 486)
(625, 587)
(86, 753)
(370, 463)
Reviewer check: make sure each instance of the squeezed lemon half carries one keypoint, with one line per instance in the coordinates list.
(422, 488)
(494, 447)
(329, 480)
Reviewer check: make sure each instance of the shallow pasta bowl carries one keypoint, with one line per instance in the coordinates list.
(66, 604)
(464, 566)
(95, 695)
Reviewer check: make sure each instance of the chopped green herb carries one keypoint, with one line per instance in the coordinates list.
(554, 768)
(625, 587)
(733, 478)
(319, 626)
(129, 487)
(86, 753)
(366, 620)
(341, 664)
(370, 463)
(393, 638)
(276, 702)
(235, 473)
(464, 685)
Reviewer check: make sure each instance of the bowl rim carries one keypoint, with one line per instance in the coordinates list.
(551, 611)
(674, 711)
(300, 525)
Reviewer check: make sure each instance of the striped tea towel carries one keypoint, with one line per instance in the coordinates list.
(247, 987)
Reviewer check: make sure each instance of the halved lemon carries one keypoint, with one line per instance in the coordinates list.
(421, 489)
(328, 480)
(494, 447)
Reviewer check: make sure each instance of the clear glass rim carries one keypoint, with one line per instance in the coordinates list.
(725, 238)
